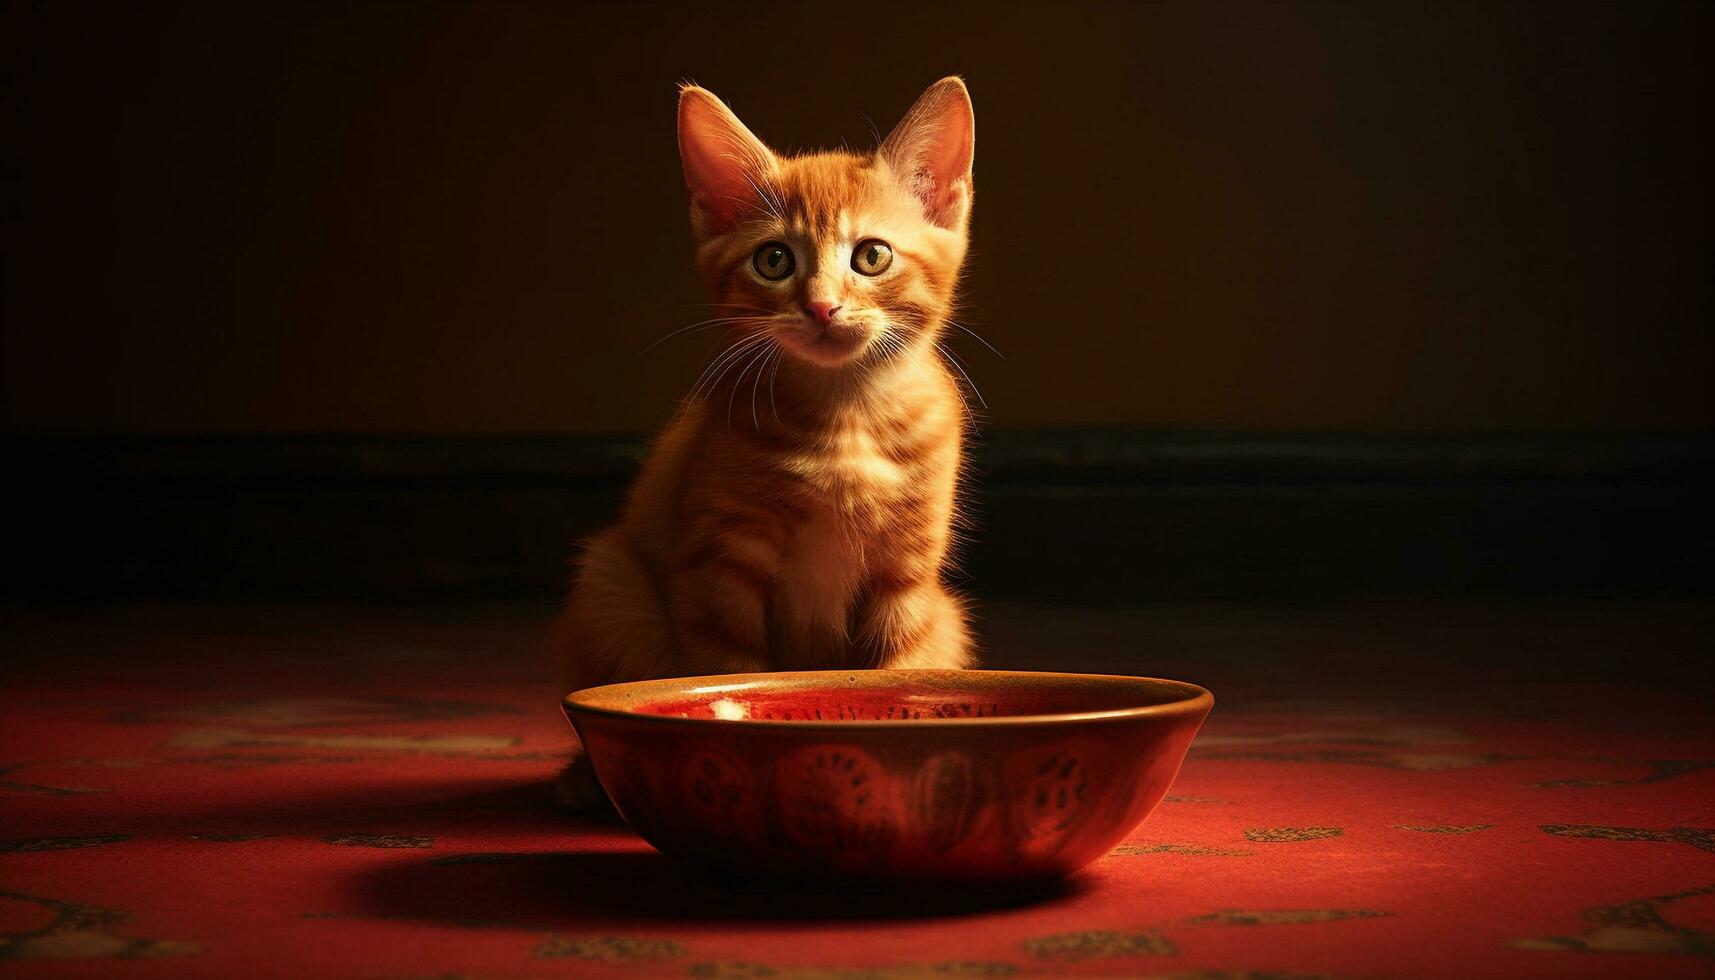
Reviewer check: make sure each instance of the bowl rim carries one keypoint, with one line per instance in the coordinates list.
(1197, 700)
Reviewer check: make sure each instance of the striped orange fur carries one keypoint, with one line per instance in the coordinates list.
(798, 512)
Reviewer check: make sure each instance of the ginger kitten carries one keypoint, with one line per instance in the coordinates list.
(796, 514)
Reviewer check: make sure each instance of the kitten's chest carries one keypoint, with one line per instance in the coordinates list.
(862, 508)
(822, 569)
(855, 472)
(847, 493)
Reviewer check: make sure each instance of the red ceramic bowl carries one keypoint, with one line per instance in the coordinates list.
(889, 774)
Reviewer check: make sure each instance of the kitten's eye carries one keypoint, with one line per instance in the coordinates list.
(872, 257)
(773, 261)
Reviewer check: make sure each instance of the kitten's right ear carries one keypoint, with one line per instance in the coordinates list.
(726, 166)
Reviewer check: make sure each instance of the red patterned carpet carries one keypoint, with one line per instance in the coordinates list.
(1381, 792)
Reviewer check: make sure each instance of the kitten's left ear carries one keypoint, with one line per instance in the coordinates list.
(931, 151)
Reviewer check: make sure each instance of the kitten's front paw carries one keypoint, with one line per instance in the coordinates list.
(577, 790)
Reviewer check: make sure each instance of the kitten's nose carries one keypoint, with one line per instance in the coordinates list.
(822, 311)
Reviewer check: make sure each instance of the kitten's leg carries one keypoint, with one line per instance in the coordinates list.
(914, 625)
(614, 629)
(721, 627)
(906, 617)
(721, 600)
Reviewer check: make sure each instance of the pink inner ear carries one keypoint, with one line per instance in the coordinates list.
(725, 164)
(931, 150)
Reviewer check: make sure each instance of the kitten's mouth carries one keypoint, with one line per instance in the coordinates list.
(832, 346)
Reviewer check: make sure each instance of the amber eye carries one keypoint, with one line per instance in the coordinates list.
(872, 257)
(773, 261)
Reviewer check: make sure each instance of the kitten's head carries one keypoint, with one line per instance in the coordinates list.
(839, 258)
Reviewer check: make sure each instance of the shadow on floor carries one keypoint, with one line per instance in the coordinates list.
(555, 889)
(613, 877)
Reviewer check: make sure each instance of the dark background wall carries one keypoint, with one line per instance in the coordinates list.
(1299, 300)
(439, 218)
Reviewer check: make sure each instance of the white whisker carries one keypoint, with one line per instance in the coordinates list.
(766, 354)
(779, 354)
(735, 354)
(695, 327)
(755, 358)
(980, 338)
(959, 367)
(725, 358)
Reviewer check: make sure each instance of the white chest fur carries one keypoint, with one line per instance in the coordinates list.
(852, 470)
(851, 479)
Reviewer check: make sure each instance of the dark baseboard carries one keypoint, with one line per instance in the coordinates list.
(1059, 514)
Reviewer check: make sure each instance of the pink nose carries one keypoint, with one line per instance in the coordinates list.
(822, 311)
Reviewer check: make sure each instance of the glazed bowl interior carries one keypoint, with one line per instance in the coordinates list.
(902, 696)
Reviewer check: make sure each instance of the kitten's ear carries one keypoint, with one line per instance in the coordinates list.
(931, 150)
(726, 166)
